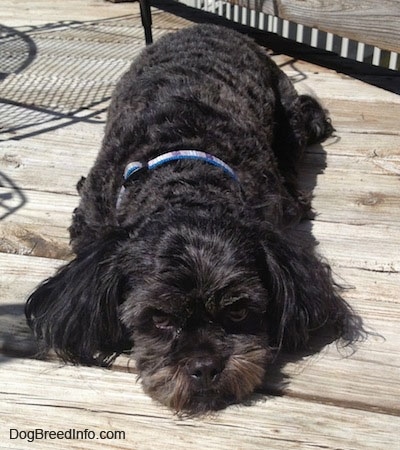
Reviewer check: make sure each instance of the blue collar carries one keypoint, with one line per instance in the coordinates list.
(134, 167)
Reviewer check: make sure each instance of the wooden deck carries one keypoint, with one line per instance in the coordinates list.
(61, 61)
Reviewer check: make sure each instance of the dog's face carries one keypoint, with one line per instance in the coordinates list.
(203, 309)
(198, 323)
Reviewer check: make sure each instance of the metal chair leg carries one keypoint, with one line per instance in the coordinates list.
(145, 13)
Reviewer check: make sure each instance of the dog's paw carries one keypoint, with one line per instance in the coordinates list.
(317, 123)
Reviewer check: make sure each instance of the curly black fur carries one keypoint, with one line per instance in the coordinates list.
(198, 276)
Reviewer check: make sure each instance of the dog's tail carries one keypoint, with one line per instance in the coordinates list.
(317, 123)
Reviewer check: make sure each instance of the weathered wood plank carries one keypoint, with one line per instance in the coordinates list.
(363, 117)
(18, 277)
(32, 270)
(373, 294)
(35, 240)
(370, 248)
(339, 87)
(356, 190)
(39, 227)
(37, 12)
(360, 208)
(61, 159)
(276, 423)
(377, 148)
(375, 23)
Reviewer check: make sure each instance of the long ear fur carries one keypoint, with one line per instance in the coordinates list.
(75, 312)
(303, 296)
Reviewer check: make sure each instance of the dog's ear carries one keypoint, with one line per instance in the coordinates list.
(75, 312)
(303, 298)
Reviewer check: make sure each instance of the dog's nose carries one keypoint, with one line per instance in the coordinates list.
(205, 371)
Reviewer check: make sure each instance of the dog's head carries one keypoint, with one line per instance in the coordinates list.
(198, 322)
(204, 309)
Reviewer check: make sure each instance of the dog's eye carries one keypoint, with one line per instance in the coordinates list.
(237, 315)
(162, 322)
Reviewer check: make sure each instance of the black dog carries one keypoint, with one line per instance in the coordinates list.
(189, 261)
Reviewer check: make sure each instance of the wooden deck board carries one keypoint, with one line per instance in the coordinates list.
(101, 404)
(372, 22)
(334, 399)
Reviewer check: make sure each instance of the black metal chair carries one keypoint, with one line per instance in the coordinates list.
(145, 13)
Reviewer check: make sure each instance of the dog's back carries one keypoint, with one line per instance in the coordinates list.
(214, 90)
(205, 87)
